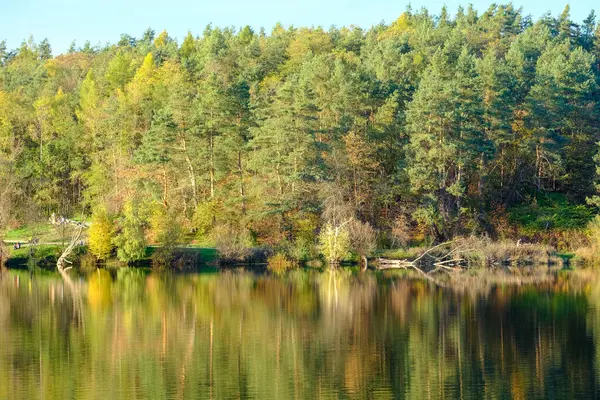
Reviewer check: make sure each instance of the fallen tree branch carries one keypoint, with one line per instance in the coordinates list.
(431, 249)
(455, 261)
(440, 263)
(60, 264)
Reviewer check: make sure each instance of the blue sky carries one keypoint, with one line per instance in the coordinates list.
(63, 21)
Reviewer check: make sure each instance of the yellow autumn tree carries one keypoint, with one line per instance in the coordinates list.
(399, 27)
(101, 231)
(334, 243)
(143, 82)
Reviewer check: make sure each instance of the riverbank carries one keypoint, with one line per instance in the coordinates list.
(464, 253)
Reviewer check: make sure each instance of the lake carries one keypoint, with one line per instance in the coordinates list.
(132, 334)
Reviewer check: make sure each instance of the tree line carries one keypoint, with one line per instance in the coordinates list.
(423, 129)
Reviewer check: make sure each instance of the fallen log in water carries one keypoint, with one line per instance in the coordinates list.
(62, 268)
(393, 264)
(62, 260)
(79, 227)
(444, 262)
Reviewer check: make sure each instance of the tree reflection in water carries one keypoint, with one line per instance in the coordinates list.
(128, 334)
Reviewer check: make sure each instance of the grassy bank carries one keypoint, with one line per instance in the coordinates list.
(45, 256)
(534, 247)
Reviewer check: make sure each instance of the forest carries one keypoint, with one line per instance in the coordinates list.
(309, 141)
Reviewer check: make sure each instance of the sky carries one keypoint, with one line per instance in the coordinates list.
(62, 21)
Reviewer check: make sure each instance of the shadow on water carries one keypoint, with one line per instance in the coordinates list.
(133, 333)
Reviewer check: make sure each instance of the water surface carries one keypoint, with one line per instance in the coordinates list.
(129, 334)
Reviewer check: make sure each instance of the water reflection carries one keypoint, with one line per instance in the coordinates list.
(335, 334)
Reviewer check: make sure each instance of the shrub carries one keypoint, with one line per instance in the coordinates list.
(100, 235)
(178, 260)
(304, 245)
(204, 219)
(87, 262)
(484, 251)
(166, 228)
(3, 255)
(363, 239)
(593, 231)
(232, 243)
(131, 241)
(167, 232)
(315, 263)
(550, 212)
(501, 225)
(591, 252)
(279, 263)
(303, 249)
(334, 243)
(401, 231)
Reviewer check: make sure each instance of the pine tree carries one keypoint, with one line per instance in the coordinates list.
(446, 143)
(498, 107)
(560, 107)
(587, 32)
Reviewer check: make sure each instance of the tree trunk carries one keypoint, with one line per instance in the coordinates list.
(211, 165)
(242, 190)
(165, 186)
(355, 188)
(279, 180)
(502, 167)
(538, 167)
(191, 172)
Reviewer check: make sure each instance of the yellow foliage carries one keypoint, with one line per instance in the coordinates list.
(270, 84)
(6, 126)
(161, 40)
(305, 226)
(100, 236)
(165, 228)
(99, 289)
(593, 229)
(591, 253)
(360, 152)
(204, 218)
(397, 28)
(334, 243)
(306, 40)
(143, 80)
(279, 263)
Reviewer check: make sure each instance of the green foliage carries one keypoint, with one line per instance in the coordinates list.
(304, 246)
(131, 240)
(26, 232)
(165, 227)
(167, 233)
(550, 212)
(204, 218)
(401, 254)
(233, 244)
(439, 119)
(37, 252)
